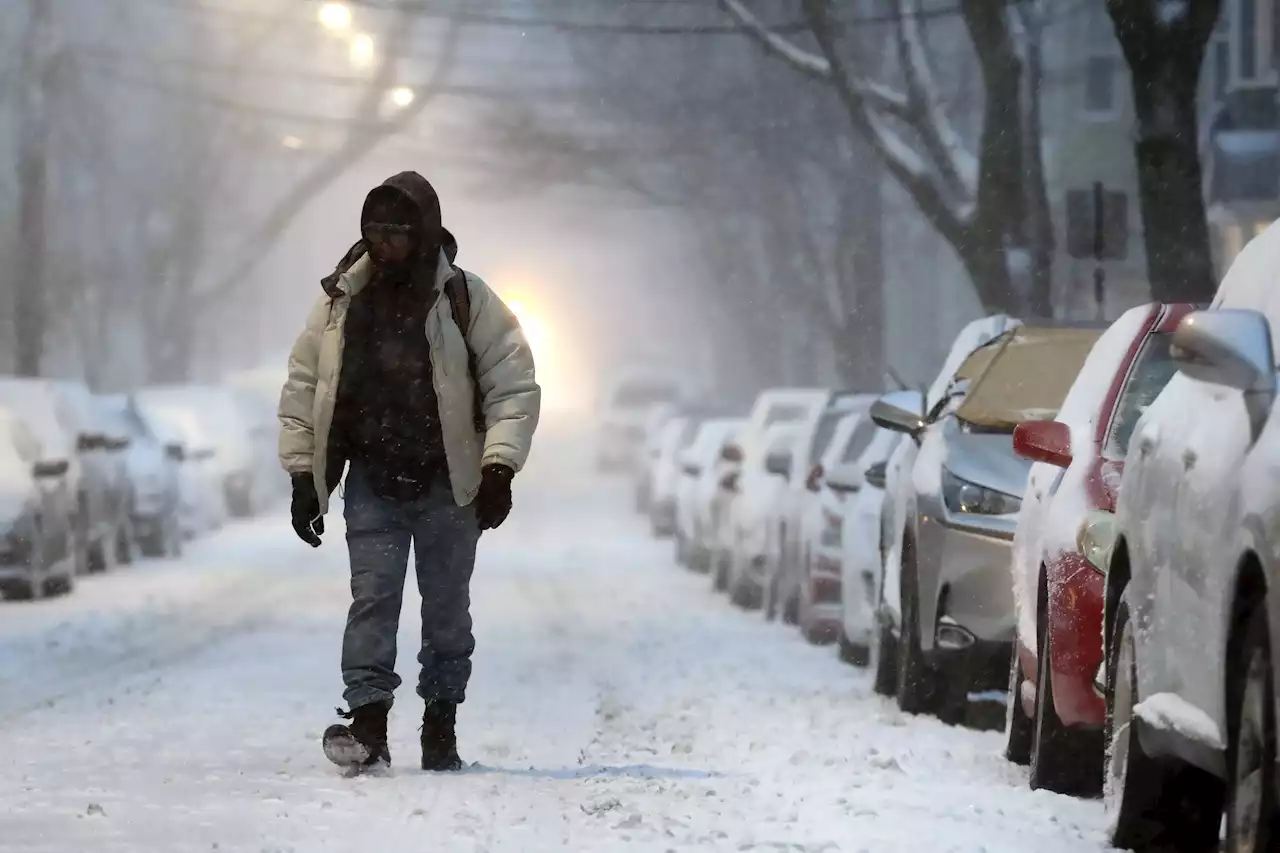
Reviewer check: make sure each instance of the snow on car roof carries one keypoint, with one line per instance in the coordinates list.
(36, 403)
(1026, 376)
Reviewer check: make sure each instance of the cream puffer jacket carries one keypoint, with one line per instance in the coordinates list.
(504, 367)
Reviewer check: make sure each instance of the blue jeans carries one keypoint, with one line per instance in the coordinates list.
(444, 537)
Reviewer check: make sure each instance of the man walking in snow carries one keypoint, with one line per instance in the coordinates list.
(416, 374)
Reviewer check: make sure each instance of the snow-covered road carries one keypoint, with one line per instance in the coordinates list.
(616, 704)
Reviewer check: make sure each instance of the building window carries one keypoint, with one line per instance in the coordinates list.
(1252, 30)
(1100, 85)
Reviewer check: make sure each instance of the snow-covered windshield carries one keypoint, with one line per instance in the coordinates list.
(37, 404)
(780, 413)
(1151, 372)
(642, 395)
(1025, 376)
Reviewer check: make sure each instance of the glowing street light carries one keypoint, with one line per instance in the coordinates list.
(361, 50)
(402, 96)
(293, 143)
(335, 16)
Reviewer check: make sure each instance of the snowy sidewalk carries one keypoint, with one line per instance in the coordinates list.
(616, 704)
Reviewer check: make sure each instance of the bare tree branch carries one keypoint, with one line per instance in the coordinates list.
(365, 134)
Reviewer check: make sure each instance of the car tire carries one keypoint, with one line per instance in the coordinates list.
(1064, 759)
(917, 688)
(1153, 803)
(745, 595)
(769, 598)
(1251, 742)
(126, 544)
(791, 610)
(19, 589)
(884, 660)
(1018, 726)
(719, 571)
(682, 551)
(815, 633)
(854, 654)
(102, 556)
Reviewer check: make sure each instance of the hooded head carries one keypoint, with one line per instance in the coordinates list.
(404, 204)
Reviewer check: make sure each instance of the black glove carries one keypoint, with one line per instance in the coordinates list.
(307, 521)
(493, 501)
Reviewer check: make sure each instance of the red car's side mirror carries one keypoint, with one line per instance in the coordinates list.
(731, 453)
(814, 481)
(1043, 441)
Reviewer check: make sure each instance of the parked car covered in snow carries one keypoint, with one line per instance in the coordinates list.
(854, 546)
(940, 394)
(675, 437)
(761, 485)
(771, 407)
(1055, 714)
(782, 585)
(955, 622)
(1191, 615)
(37, 515)
(63, 417)
(625, 407)
(154, 470)
(215, 433)
(698, 491)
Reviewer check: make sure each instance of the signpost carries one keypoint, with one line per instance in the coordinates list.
(1098, 228)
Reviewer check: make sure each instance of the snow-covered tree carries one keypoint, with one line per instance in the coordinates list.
(987, 200)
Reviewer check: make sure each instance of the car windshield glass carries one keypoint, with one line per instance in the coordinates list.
(863, 433)
(1151, 372)
(823, 434)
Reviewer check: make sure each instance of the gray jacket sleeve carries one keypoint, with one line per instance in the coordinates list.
(298, 397)
(504, 369)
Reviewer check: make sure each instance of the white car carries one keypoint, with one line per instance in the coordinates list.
(701, 469)
(215, 434)
(774, 406)
(786, 576)
(847, 536)
(677, 434)
(625, 407)
(1192, 626)
(65, 425)
(898, 488)
(762, 486)
(650, 450)
(37, 513)
(155, 485)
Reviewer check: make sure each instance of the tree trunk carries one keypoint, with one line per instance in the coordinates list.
(1040, 224)
(1175, 226)
(29, 308)
(1164, 59)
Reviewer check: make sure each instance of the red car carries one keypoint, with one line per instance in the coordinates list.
(1056, 715)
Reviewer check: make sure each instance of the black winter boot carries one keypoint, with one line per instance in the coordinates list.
(362, 742)
(439, 740)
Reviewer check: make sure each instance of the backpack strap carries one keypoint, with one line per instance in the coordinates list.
(460, 304)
